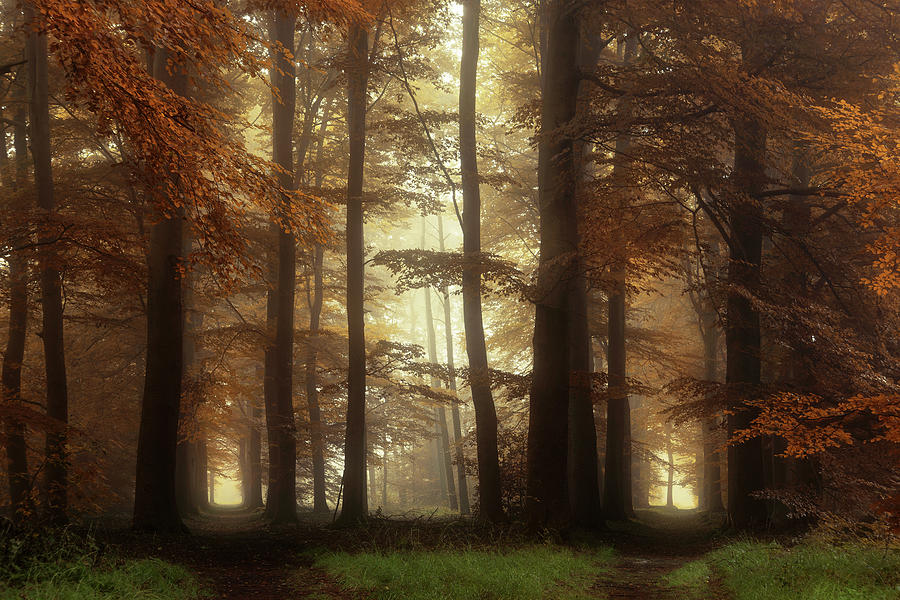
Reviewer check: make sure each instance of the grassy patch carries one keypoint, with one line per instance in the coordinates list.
(532, 573)
(758, 571)
(65, 564)
(148, 579)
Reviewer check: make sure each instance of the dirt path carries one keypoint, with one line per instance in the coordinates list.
(238, 557)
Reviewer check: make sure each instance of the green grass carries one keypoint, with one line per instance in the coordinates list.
(65, 564)
(758, 571)
(532, 573)
(147, 579)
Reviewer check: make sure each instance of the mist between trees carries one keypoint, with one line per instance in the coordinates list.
(533, 262)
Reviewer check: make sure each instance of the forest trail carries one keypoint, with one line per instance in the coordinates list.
(237, 556)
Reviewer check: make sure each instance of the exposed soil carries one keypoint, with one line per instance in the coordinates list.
(238, 556)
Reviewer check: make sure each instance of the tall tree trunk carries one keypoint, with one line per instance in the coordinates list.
(320, 502)
(56, 471)
(14, 356)
(742, 331)
(617, 496)
(282, 502)
(355, 505)
(201, 483)
(547, 502)
(490, 507)
(445, 465)
(155, 503)
(462, 483)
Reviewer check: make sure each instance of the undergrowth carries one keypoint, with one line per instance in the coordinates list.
(65, 564)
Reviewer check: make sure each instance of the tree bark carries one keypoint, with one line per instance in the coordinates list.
(547, 503)
(355, 507)
(186, 455)
(281, 506)
(463, 484)
(712, 475)
(490, 507)
(56, 470)
(742, 331)
(14, 356)
(155, 502)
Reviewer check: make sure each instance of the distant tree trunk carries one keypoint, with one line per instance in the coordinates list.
(617, 496)
(155, 502)
(14, 356)
(490, 507)
(670, 466)
(464, 508)
(281, 505)
(355, 507)
(212, 487)
(712, 476)
(253, 497)
(547, 502)
(445, 465)
(202, 485)
(742, 330)
(384, 473)
(56, 470)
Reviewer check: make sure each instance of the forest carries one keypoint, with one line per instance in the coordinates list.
(450, 299)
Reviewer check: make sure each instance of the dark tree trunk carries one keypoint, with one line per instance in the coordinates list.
(155, 503)
(670, 465)
(742, 331)
(201, 484)
(186, 456)
(547, 502)
(617, 496)
(13, 357)
(281, 504)
(463, 484)
(490, 507)
(355, 507)
(56, 470)
(584, 489)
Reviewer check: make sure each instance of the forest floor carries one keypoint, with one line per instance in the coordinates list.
(236, 555)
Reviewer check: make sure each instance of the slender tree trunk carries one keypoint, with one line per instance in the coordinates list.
(463, 484)
(617, 496)
(202, 484)
(282, 500)
(670, 465)
(56, 471)
(547, 502)
(384, 473)
(742, 331)
(14, 356)
(253, 499)
(445, 466)
(712, 476)
(355, 505)
(490, 507)
(155, 502)
(320, 502)
(212, 487)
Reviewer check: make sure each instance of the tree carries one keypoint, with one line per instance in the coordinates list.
(355, 506)
(281, 497)
(485, 413)
(547, 503)
(56, 474)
